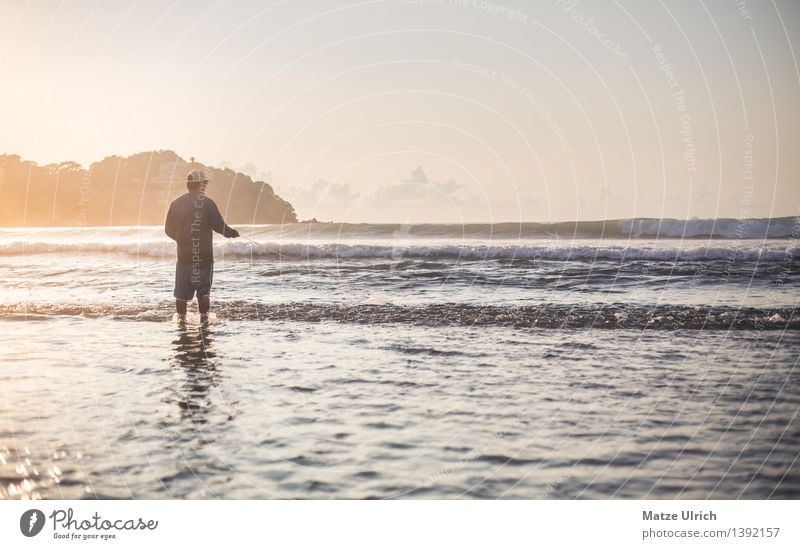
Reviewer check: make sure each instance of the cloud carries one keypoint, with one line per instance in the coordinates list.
(324, 199)
(415, 197)
(419, 188)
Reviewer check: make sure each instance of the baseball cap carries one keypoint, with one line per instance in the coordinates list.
(197, 176)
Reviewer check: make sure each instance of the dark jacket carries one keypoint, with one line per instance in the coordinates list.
(190, 220)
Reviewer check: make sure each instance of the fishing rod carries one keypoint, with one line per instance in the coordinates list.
(276, 252)
(248, 239)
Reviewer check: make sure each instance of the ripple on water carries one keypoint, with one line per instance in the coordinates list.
(371, 427)
(28, 474)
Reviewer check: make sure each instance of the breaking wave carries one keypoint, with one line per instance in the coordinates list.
(465, 252)
(734, 229)
(612, 316)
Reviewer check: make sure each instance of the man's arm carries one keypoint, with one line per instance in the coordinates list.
(217, 223)
(169, 225)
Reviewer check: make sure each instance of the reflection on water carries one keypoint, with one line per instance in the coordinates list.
(22, 478)
(199, 412)
(195, 357)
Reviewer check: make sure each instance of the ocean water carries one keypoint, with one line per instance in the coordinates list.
(621, 359)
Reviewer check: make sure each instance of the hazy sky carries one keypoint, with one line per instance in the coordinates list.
(462, 110)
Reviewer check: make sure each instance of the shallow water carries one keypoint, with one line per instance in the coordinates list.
(295, 409)
(401, 376)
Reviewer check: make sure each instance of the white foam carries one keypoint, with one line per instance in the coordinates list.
(466, 252)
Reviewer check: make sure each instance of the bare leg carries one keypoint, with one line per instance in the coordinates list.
(180, 307)
(204, 304)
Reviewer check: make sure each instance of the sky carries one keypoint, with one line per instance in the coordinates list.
(426, 110)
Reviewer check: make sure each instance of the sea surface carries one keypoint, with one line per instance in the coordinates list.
(638, 358)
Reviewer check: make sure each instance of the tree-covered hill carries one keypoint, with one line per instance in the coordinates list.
(133, 190)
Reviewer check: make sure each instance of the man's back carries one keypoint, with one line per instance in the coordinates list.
(190, 221)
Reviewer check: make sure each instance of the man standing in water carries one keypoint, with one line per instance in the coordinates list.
(190, 220)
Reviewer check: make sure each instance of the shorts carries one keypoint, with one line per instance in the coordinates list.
(190, 279)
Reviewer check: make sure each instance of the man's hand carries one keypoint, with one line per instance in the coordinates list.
(233, 233)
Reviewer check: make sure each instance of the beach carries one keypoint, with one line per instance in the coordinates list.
(620, 360)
